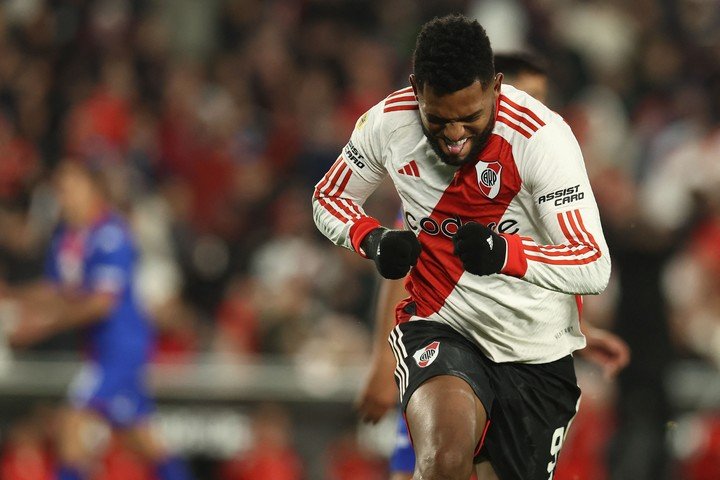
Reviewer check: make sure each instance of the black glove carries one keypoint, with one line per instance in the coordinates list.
(394, 251)
(481, 250)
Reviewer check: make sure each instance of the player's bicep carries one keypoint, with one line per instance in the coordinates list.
(364, 150)
(562, 194)
(557, 177)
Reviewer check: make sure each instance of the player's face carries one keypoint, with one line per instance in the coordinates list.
(458, 125)
(74, 193)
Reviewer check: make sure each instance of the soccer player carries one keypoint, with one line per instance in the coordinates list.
(89, 285)
(379, 393)
(503, 235)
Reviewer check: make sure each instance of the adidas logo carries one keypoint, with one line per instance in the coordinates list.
(410, 169)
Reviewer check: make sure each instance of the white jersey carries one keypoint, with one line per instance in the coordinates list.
(529, 184)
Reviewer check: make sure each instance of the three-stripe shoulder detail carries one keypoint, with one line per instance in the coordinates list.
(401, 100)
(517, 117)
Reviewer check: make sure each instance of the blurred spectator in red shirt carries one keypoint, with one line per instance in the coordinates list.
(237, 332)
(19, 163)
(98, 126)
(26, 456)
(702, 445)
(271, 455)
(348, 460)
(120, 463)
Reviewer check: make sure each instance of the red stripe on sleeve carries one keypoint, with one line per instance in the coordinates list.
(333, 211)
(563, 227)
(344, 182)
(569, 251)
(577, 248)
(352, 206)
(532, 245)
(400, 92)
(326, 178)
(587, 232)
(357, 209)
(524, 110)
(401, 98)
(578, 234)
(514, 126)
(583, 261)
(519, 118)
(395, 108)
(334, 180)
(338, 203)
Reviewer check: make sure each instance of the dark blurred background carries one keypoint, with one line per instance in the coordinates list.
(213, 119)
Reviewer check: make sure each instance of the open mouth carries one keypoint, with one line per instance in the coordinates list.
(455, 148)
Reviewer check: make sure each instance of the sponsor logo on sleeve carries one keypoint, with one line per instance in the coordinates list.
(489, 178)
(562, 196)
(361, 121)
(426, 355)
(352, 154)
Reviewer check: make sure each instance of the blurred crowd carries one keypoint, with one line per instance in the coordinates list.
(213, 119)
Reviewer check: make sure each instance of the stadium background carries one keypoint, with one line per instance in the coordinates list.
(213, 119)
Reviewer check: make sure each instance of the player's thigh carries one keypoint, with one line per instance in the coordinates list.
(444, 414)
(83, 435)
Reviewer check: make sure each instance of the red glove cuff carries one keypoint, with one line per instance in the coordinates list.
(515, 260)
(359, 231)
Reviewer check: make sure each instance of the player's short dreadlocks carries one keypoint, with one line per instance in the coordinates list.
(451, 53)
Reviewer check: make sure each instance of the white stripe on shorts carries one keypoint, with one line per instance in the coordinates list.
(401, 370)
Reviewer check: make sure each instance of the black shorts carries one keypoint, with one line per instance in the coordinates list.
(529, 406)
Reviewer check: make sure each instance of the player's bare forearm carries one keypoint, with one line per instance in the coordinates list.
(379, 393)
(83, 309)
(391, 292)
(45, 311)
(36, 293)
(605, 349)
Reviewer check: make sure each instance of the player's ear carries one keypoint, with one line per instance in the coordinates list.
(497, 83)
(413, 83)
